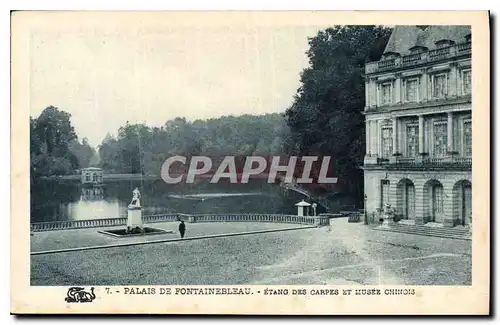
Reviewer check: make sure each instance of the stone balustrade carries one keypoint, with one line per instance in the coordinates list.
(424, 162)
(75, 224)
(253, 217)
(321, 220)
(419, 58)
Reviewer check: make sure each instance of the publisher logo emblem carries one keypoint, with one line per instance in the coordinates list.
(78, 294)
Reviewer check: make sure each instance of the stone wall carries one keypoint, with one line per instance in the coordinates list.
(421, 181)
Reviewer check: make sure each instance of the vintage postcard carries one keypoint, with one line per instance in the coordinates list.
(256, 163)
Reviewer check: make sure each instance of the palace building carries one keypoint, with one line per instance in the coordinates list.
(418, 126)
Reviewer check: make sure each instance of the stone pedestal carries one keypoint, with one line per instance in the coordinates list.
(134, 217)
(388, 220)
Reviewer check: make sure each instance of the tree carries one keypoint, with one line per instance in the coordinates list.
(53, 127)
(83, 152)
(108, 153)
(326, 115)
(51, 135)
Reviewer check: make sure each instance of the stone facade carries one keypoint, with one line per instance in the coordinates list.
(418, 126)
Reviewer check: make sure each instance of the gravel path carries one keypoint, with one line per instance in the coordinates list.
(51, 240)
(340, 254)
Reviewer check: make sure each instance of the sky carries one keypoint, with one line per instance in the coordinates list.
(105, 77)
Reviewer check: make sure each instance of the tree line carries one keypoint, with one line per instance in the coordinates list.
(139, 148)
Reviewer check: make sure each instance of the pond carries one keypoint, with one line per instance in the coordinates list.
(69, 200)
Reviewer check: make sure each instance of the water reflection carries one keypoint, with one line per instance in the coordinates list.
(57, 200)
(93, 206)
(92, 194)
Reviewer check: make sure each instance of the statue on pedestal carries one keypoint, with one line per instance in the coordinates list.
(314, 206)
(387, 209)
(134, 213)
(388, 215)
(136, 198)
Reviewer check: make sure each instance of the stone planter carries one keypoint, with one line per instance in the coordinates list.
(388, 217)
(388, 220)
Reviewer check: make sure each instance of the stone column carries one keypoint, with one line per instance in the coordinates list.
(423, 94)
(367, 93)
(397, 87)
(453, 80)
(394, 135)
(368, 137)
(377, 88)
(450, 131)
(421, 145)
(377, 138)
(373, 92)
(429, 87)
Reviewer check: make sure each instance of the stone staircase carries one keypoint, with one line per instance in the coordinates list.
(428, 230)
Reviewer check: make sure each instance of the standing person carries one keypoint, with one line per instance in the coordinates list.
(182, 229)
